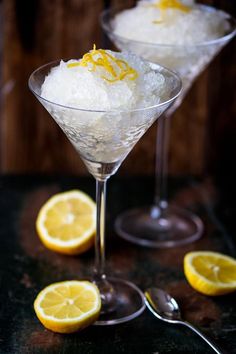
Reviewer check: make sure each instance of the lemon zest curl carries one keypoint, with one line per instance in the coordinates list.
(164, 5)
(116, 69)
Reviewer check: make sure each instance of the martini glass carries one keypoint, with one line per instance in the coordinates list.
(164, 224)
(103, 139)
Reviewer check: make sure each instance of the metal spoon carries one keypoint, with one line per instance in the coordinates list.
(164, 307)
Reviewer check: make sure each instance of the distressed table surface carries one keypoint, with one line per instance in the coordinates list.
(26, 267)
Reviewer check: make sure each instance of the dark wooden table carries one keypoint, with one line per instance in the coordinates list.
(26, 267)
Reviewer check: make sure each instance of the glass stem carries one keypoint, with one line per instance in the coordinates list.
(160, 199)
(100, 234)
(106, 289)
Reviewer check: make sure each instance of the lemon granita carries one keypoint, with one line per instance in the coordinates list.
(113, 84)
(170, 22)
(105, 80)
(179, 34)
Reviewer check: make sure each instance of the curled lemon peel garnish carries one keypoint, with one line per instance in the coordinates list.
(116, 69)
(164, 5)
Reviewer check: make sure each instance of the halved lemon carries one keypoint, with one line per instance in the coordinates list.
(66, 223)
(68, 306)
(210, 273)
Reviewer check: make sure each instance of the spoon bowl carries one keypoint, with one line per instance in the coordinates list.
(165, 308)
(162, 305)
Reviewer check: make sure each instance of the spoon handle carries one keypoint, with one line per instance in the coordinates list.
(206, 339)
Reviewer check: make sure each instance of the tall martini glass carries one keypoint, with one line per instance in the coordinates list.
(103, 139)
(163, 224)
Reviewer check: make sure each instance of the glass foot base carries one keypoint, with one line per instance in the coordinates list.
(145, 227)
(129, 303)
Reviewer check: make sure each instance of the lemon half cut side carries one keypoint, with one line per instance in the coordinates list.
(66, 223)
(68, 306)
(210, 273)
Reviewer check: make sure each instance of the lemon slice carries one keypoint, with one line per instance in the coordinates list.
(210, 273)
(68, 306)
(66, 222)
